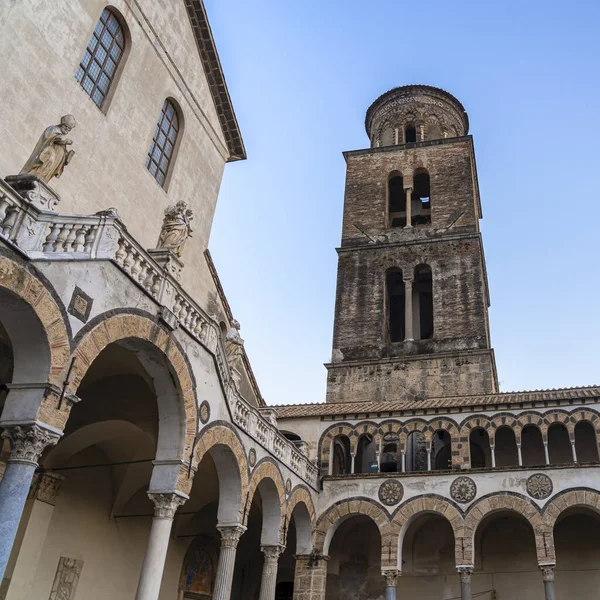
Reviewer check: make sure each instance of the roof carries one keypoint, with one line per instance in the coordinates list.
(292, 411)
(216, 78)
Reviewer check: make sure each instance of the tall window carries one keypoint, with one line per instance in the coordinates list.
(101, 59)
(410, 134)
(421, 201)
(395, 305)
(163, 143)
(396, 202)
(423, 303)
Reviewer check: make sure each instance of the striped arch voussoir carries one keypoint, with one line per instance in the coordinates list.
(267, 469)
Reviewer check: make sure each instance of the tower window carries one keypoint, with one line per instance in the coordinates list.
(162, 149)
(98, 67)
(410, 134)
(420, 199)
(396, 202)
(423, 303)
(395, 305)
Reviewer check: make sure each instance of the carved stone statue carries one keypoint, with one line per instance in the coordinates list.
(176, 228)
(234, 345)
(50, 155)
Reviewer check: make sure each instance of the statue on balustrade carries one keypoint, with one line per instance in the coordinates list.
(176, 228)
(51, 154)
(234, 346)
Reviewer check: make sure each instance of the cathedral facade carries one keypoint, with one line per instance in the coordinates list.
(138, 457)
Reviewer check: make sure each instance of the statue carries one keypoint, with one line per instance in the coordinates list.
(234, 345)
(50, 155)
(176, 228)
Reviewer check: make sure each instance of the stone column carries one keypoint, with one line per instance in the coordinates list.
(465, 582)
(429, 450)
(408, 208)
(310, 578)
(352, 463)
(493, 453)
(27, 442)
(230, 537)
(269, 574)
(403, 462)
(391, 580)
(520, 455)
(548, 577)
(408, 310)
(546, 453)
(165, 506)
(378, 455)
(574, 451)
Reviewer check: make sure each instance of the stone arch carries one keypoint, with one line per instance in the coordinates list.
(232, 467)
(300, 507)
(179, 409)
(329, 521)
(363, 428)
(327, 437)
(582, 497)
(267, 478)
(506, 502)
(466, 427)
(408, 512)
(412, 425)
(39, 330)
(557, 416)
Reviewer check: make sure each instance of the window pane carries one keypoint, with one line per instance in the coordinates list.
(112, 25)
(100, 55)
(170, 110)
(173, 134)
(98, 97)
(110, 67)
(115, 53)
(103, 83)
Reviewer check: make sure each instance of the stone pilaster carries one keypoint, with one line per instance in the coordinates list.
(230, 537)
(165, 506)
(548, 577)
(465, 573)
(269, 574)
(27, 442)
(310, 578)
(391, 581)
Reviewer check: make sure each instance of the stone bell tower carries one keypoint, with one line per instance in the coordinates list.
(411, 316)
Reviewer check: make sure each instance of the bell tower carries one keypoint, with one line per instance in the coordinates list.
(411, 313)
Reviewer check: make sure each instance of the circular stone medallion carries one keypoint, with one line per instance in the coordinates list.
(463, 490)
(539, 486)
(252, 457)
(391, 492)
(204, 412)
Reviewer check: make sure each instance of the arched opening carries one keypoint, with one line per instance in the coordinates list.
(505, 447)
(427, 557)
(586, 444)
(387, 137)
(395, 305)
(390, 453)
(434, 132)
(410, 134)
(479, 446)
(532, 447)
(396, 201)
(420, 199)
(366, 455)
(559, 445)
(342, 462)
(416, 452)
(423, 303)
(441, 448)
(354, 566)
(577, 545)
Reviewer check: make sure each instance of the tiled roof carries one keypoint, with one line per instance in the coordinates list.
(216, 79)
(329, 409)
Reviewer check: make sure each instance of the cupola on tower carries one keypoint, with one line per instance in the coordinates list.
(411, 316)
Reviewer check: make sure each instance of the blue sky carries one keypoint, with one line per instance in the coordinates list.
(301, 76)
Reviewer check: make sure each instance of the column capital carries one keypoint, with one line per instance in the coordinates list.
(272, 552)
(45, 487)
(391, 577)
(547, 572)
(166, 503)
(230, 534)
(28, 441)
(465, 573)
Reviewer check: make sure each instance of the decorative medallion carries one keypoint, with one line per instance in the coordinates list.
(539, 486)
(288, 486)
(252, 457)
(391, 492)
(463, 490)
(204, 412)
(80, 305)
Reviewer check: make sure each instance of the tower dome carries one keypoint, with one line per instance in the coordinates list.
(414, 113)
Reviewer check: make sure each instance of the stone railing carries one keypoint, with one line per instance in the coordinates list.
(26, 223)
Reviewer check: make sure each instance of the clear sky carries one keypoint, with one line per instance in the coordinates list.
(301, 76)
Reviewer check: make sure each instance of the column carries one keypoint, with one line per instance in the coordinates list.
(165, 506)
(493, 452)
(574, 451)
(520, 454)
(408, 208)
(408, 310)
(465, 582)
(429, 458)
(391, 580)
(353, 456)
(396, 136)
(404, 462)
(27, 442)
(546, 454)
(230, 537)
(269, 574)
(378, 455)
(310, 578)
(548, 577)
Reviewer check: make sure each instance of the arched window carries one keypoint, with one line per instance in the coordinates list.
(164, 142)
(479, 447)
(507, 454)
(387, 137)
(99, 65)
(585, 442)
(366, 457)
(396, 202)
(423, 303)
(441, 450)
(532, 447)
(410, 134)
(341, 456)
(559, 445)
(416, 452)
(389, 453)
(420, 199)
(395, 305)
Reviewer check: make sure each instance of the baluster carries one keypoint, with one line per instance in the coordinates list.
(135, 269)
(71, 237)
(177, 306)
(4, 204)
(79, 244)
(129, 259)
(59, 245)
(149, 278)
(156, 286)
(90, 238)
(190, 319)
(51, 238)
(10, 221)
(198, 326)
(121, 253)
